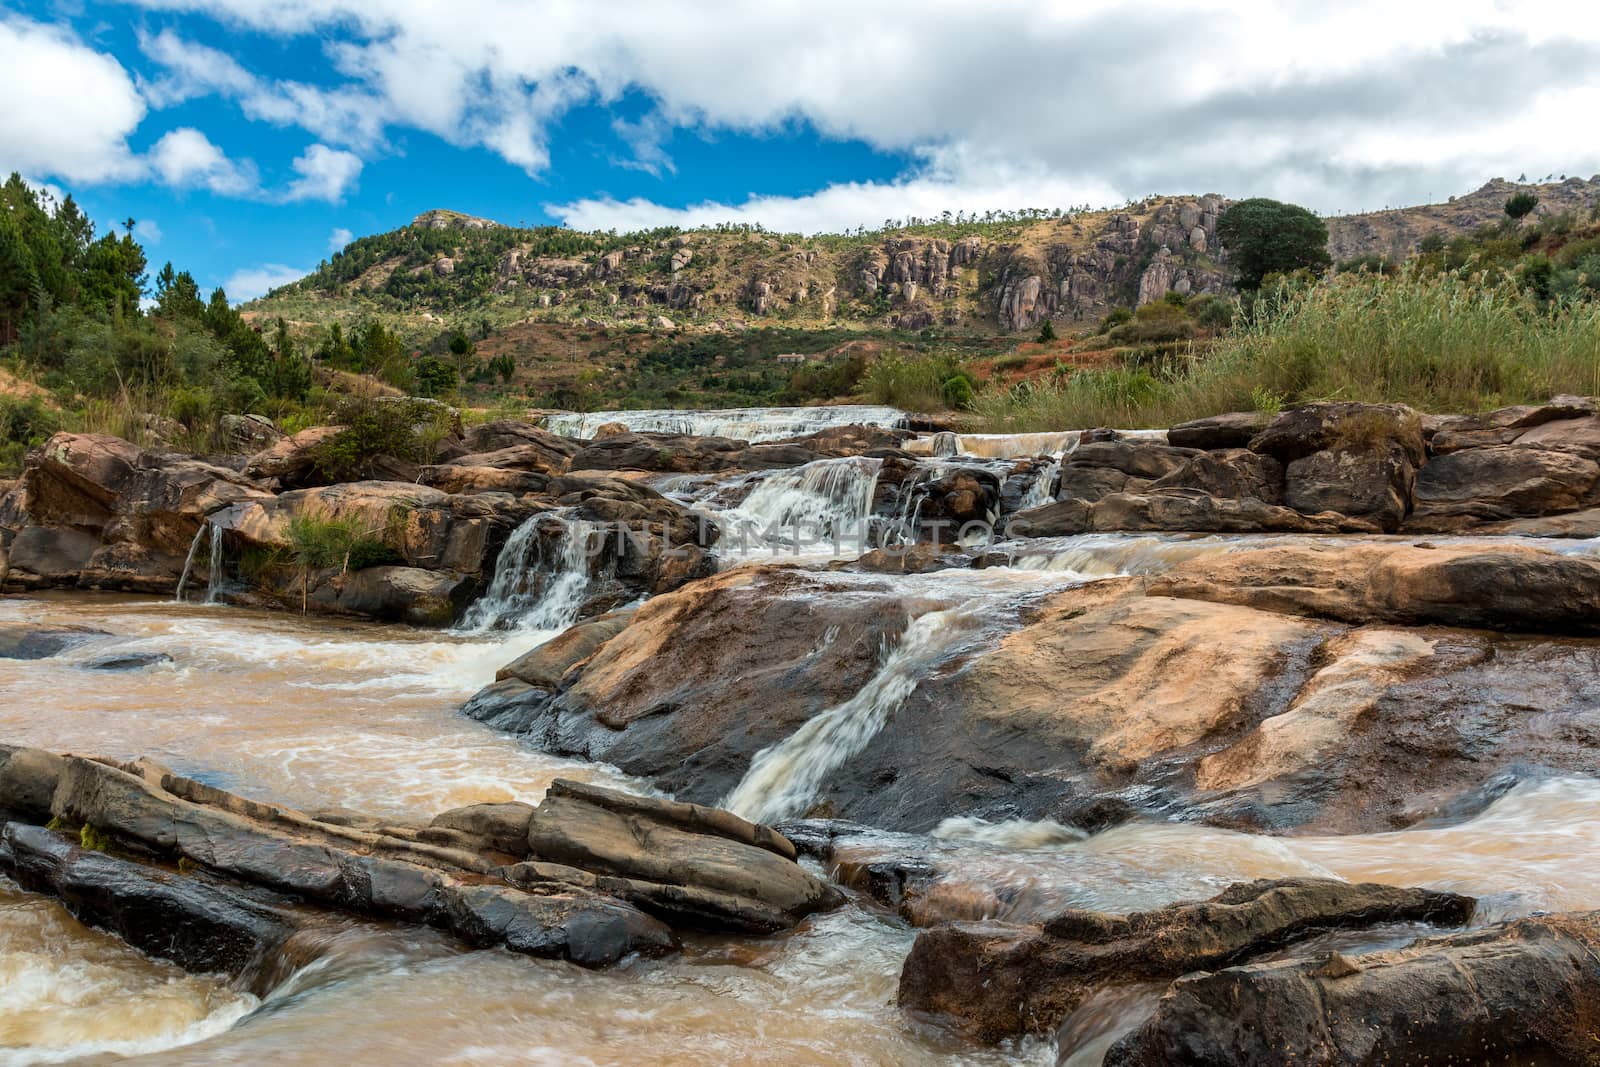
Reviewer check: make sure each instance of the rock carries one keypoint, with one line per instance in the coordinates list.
(1511, 588)
(1581, 436)
(748, 867)
(1230, 474)
(920, 558)
(996, 981)
(527, 457)
(456, 477)
(43, 556)
(1518, 992)
(687, 454)
(404, 594)
(510, 433)
(1133, 457)
(291, 463)
(129, 661)
(1233, 430)
(610, 429)
(592, 853)
(545, 665)
(1175, 510)
(1504, 425)
(1373, 483)
(248, 433)
(1344, 427)
(1501, 482)
(20, 640)
(189, 919)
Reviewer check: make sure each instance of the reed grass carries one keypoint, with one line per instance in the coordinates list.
(1441, 343)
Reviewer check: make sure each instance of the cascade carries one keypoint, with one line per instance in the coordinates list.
(784, 778)
(744, 424)
(1041, 492)
(825, 499)
(524, 594)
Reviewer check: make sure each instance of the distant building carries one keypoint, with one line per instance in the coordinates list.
(790, 357)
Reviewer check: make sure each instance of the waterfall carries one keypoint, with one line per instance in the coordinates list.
(827, 499)
(214, 576)
(1042, 491)
(744, 424)
(524, 595)
(783, 779)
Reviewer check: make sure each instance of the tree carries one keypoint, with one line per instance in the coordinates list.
(1521, 204)
(435, 377)
(1267, 236)
(1047, 332)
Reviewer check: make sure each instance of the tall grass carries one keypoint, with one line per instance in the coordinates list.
(1440, 343)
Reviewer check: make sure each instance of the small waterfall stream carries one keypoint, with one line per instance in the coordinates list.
(784, 778)
(829, 500)
(525, 594)
(214, 576)
(1042, 491)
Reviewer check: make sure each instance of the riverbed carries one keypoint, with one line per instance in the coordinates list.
(326, 715)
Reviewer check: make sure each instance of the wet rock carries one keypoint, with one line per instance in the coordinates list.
(546, 665)
(689, 454)
(744, 873)
(1521, 992)
(129, 661)
(996, 981)
(20, 640)
(1501, 482)
(920, 558)
(600, 863)
(191, 919)
(43, 556)
(1511, 588)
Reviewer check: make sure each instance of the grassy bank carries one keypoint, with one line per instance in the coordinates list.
(1441, 343)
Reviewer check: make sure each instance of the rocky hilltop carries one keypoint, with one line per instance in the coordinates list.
(1003, 274)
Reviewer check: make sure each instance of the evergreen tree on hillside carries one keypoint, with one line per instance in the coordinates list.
(1270, 237)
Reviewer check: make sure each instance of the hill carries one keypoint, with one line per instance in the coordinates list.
(995, 274)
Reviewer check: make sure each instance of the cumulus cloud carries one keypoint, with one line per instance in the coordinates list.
(325, 174)
(339, 238)
(69, 109)
(1342, 106)
(148, 231)
(186, 158)
(251, 282)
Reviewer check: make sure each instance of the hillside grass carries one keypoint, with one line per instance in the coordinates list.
(1440, 343)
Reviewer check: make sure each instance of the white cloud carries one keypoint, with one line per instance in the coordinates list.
(339, 238)
(251, 282)
(68, 109)
(1341, 105)
(148, 231)
(325, 174)
(186, 158)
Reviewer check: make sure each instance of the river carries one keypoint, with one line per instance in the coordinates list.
(321, 714)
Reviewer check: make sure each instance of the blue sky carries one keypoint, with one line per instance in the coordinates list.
(250, 137)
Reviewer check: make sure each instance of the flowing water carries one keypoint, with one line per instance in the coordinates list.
(742, 424)
(324, 714)
(528, 592)
(821, 508)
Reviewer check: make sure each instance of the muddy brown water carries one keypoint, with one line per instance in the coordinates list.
(321, 715)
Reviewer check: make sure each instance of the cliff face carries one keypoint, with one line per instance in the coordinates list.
(1004, 275)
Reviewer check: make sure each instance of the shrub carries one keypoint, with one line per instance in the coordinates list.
(1154, 323)
(1520, 204)
(916, 383)
(1267, 236)
(1047, 332)
(403, 429)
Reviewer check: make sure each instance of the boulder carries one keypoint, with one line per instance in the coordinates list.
(291, 462)
(1132, 456)
(1504, 425)
(504, 826)
(1175, 510)
(1228, 473)
(1581, 436)
(402, 594)
(1510, 588)
(1374, 483)
(42, 556)
(129, 661)
(997, 981)
(457, 477)
(249, 434)
(524, 457)
(1501, 482)
(1526, 991)
(510, 433)
(1338, 426)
